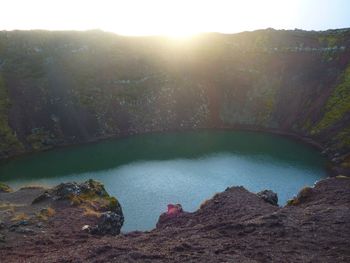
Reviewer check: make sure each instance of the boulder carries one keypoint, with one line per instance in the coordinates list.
(69, 190)
(89, 195)
(41, 198)
(109, 223)
(269, 197)
(88, 188)
(66, 190)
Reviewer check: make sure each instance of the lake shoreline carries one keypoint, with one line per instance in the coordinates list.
(334, 166)
(163, 165)
(306, 140)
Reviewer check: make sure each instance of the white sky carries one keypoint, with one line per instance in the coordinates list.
(180, 17)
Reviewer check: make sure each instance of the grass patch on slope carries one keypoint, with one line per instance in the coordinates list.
(337, 105)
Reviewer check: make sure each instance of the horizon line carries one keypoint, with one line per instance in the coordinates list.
(167, 35)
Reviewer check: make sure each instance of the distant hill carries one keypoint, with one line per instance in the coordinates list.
(71, 87)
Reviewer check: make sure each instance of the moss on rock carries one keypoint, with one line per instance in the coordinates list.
(302, 196)
(5, 188)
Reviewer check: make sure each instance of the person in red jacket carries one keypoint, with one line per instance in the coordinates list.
(174, 209)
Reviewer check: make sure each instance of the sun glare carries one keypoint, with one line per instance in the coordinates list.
(174, 19)
(177, 19)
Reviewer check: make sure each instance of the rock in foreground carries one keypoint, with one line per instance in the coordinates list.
(109, 223)
(233, 226)
(268, 196)
(64, 209)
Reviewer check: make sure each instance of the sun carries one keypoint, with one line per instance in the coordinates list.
(174, 19)
(179, 33)
(178, 19)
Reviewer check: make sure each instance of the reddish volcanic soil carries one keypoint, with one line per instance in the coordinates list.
(233, 226)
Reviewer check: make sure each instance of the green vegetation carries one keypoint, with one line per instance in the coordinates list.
(94, 199)
(8, 140)
(337, 105)
(346, 162)
(331, 40)
(45, 213)
(343, 138)
(268, 99)
(112, 203)
(5, 188)
(303, 195)
(20, 217)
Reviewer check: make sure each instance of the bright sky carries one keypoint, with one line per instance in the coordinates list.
(179, 17)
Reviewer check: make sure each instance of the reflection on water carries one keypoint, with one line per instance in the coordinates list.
(147, 172)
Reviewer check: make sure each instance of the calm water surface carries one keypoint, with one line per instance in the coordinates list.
(146, 172)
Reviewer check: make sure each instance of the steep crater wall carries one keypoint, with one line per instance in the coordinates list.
(71, 87)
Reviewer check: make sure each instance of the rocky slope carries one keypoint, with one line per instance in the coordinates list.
(233, 226)
(71, 87)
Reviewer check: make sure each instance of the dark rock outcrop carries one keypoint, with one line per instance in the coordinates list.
(269, 196)
(73, 190)
(88, 188)
(33, 211)
(90, 195)
(109, 223)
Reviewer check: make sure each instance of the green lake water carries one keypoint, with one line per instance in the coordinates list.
(146, 172)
